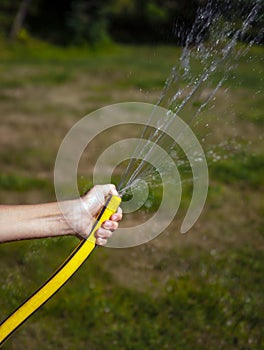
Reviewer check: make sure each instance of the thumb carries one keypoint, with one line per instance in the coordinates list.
(95, 199)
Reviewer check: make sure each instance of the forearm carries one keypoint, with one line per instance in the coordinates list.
(32, 221)
(72, 217)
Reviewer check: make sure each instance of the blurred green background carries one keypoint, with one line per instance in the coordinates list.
(204, 290)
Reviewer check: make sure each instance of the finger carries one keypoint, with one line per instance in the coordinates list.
(103, 233)
(110, 225)
(117, 216)
(101, 241)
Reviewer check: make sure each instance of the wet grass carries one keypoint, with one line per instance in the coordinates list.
(197, 291)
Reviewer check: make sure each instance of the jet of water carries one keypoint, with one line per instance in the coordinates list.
(210, 54)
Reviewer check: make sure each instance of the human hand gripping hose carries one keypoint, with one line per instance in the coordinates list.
(61, 276)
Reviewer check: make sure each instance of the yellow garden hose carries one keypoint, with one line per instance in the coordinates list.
(60, 277)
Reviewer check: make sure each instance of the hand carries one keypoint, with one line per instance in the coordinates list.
(85, 210)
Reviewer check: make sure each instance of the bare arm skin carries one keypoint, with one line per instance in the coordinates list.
(19, 222)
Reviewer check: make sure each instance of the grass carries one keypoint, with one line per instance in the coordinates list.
(202, 290)
(208, 305)
(243, 171)
(13, 182)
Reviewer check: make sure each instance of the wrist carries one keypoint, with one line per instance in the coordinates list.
(75, 218)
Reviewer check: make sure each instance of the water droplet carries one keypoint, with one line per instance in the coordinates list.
(199, 159)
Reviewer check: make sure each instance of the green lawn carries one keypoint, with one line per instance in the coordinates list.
(202, 290)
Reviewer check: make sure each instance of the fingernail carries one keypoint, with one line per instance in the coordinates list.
(100, 231)
(101, 241)
(107, 224)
